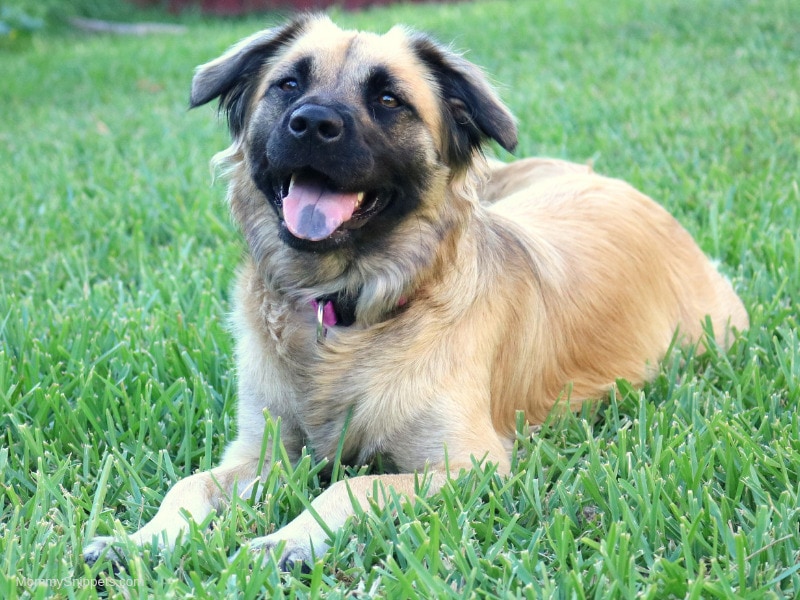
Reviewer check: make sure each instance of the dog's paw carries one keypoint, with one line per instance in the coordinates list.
(102, 547)
(96, 548)
(292, 551)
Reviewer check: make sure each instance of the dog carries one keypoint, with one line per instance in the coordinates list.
(403, 295)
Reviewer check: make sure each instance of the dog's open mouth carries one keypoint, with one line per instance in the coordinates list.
(314, 208)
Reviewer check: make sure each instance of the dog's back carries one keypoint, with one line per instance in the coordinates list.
(617, 276)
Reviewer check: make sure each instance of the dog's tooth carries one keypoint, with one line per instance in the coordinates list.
(360, 199)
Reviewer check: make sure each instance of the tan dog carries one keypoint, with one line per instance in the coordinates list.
(389, 284)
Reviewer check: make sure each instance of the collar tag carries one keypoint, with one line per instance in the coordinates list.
(326, 317)
(330, 314)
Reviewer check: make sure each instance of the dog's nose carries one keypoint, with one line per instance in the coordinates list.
(316, 123)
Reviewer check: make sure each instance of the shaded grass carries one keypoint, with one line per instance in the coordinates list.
(116, 369)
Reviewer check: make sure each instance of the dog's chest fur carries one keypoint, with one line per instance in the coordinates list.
(322, 387)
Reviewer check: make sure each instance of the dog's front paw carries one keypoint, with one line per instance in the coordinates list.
(293, 551)
(102, 546)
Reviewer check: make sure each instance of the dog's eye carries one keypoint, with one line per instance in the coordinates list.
(289, 84)
(388, 100)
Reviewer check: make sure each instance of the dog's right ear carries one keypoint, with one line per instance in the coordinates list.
(233, 77)
(473, 112)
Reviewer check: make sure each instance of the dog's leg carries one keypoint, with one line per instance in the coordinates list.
(198, 495)
(305, 537)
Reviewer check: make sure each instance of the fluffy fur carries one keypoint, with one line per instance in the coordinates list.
(479, 290)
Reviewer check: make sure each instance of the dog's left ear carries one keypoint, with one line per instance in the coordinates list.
(233, 77)
(473, 111)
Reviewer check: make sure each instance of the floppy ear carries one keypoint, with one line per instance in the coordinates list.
(473, 112)
(233, 77)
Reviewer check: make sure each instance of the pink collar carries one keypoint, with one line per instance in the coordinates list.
(327, 314)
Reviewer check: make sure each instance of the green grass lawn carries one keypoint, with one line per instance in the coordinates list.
(116, 374)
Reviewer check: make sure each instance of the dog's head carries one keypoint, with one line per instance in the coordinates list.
(345, 134)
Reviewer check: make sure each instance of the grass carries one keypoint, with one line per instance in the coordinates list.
(116, 374)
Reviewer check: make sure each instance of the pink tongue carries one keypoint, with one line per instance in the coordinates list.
(313, 212)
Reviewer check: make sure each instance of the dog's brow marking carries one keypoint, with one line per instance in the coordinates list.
(301, 67)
